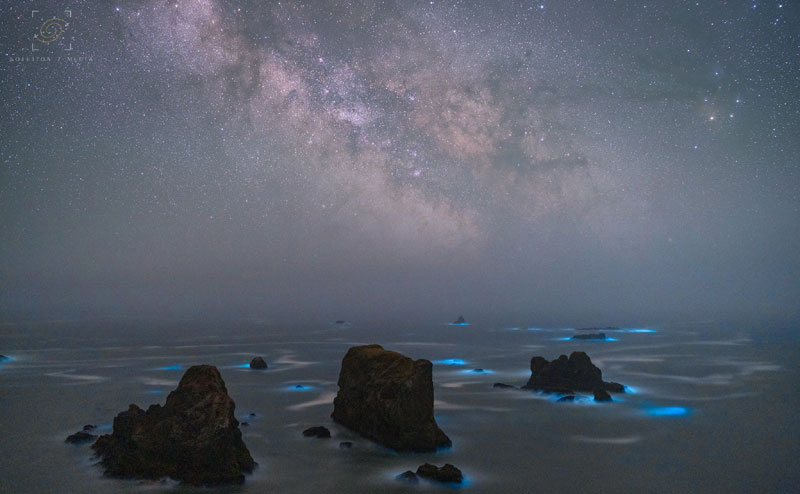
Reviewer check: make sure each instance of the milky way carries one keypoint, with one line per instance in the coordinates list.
(588, 160)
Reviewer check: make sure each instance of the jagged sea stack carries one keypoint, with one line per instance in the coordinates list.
(576, 373)
(388, 397)
(194, 438)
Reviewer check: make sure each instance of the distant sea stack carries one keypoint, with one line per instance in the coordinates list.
(258, 363)
(590, 336)
(388, 397)
(194, 438)
(565, 375)
(460, 321)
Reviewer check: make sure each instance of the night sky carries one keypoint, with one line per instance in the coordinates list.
(566, 163)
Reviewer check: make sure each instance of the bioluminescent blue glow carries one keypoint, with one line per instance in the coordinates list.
(477, 371)
(299, 387)
(571, 338)
(666, 411)
(458, 324)
(465, 482)
(155, 391)
(6, 359)
(631, 390)
(450, 361)
(514, 329)
(170, 367)
(242, 366)
(637, 330)
(578, 398)
(534, 329)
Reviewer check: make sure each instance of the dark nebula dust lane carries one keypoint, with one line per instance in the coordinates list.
(584, 162)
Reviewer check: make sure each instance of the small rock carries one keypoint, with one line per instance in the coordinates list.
(318, 432)
(244, 424)
(601, 394)
(447, 473)
(345, 444)
(566, 399)
(408, 477)
(89, 427)
(79, 438)
(590, 336)
(503, 386)
(614, 387)
(477, 370)
(460, 320)
(258, 363)
(299, 386)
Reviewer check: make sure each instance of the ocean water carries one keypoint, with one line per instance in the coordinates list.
(710, 409)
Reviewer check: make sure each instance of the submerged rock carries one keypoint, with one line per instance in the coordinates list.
(194, 437)
(576, 373)
(408, 477)
(388, 397)
(258, 363)
(318, 432)
(566, 399)
(3, 358)
(601, 394)
(345, 445)
(80, 437)
(590, 336)
(503, 386)
(447, 473)
(89, 427)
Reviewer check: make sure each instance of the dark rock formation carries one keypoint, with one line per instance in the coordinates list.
(89, 427)
(408, 477)
(601, 394)
(79, 437)
(478, 371)
(345, 445)
(194, 438)
(318, 432)
(258, 363)
(566, 399)
(3, 358)
(447, 473)
(387, 397)
(460, 320)
(503, 386)
(565, 375)
(590, 336)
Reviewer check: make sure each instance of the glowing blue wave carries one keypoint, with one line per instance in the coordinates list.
(450, 361)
